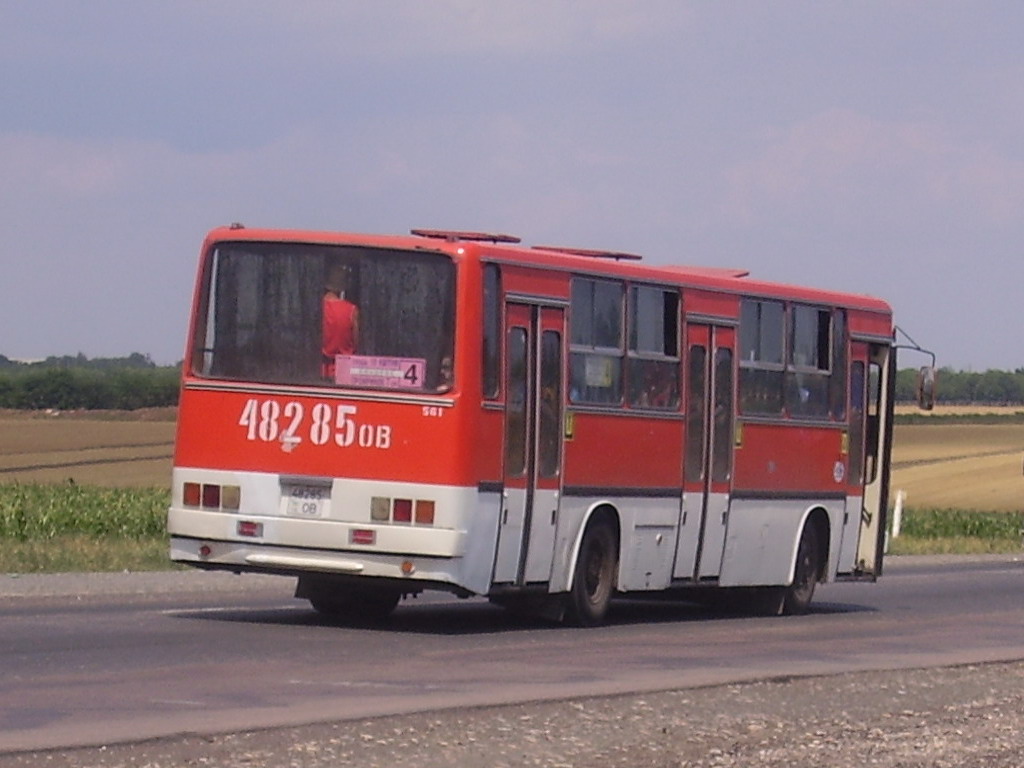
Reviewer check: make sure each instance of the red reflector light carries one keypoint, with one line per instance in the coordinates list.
(191, 495)
(402, 512)
(249, 528)
(424, 512)
(362, 536)
(211, 496)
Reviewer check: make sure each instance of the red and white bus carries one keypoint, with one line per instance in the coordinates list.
(548, 427)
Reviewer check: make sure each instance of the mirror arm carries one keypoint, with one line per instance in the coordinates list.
(912, 345)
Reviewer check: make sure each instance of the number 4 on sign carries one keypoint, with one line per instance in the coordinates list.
(412, 375)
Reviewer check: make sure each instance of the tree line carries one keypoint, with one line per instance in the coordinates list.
(135, 381)
(990, 387)
(77, 382)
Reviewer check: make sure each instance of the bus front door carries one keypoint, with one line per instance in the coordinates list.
(872, 381)
(707, 477)
(533, 444)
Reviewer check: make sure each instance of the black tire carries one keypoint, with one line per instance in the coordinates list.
(797, 597)
(355, 605)
(593, 580)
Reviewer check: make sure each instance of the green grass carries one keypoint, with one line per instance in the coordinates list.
(58, 528)
(67, 554)
(952, 523)
(40, 512)
(954, 545)
(958, 532)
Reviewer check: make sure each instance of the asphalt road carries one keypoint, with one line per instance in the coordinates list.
(98, 659)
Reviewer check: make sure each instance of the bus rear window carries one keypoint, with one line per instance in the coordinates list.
(344, 316)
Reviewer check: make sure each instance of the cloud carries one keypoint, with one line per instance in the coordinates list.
(841, 160)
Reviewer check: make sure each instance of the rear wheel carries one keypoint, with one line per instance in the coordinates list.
(346, 602)
(594, 577)
(797, 596)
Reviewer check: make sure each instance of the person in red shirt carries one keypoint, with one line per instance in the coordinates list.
(340, 321)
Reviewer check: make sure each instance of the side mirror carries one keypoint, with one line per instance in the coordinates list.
(926, 388)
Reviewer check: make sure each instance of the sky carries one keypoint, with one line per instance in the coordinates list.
(871, 147)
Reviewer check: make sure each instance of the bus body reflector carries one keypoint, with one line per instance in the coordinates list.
(250, 528)
(363, 536)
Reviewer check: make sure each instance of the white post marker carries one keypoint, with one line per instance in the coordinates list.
(897, 513)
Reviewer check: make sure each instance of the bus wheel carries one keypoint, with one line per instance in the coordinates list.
(797, 597)
(594, 577)
(356, 605)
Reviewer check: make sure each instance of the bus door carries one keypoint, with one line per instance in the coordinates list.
(533, 443)
(872, 379)
(709, 450)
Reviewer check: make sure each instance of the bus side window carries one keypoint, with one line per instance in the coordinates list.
(491, 332)
(597, 343)
(857, 422)
(872, 422)
(653, 355)
(516, 414)
(762, 361)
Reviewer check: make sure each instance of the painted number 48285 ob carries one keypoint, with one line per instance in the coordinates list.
(270, 420)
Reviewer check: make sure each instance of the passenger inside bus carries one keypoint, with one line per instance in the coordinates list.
(340, 320)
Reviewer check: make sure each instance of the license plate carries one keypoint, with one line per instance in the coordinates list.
(307, 500)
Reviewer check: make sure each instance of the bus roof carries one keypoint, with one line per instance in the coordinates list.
(505, 248)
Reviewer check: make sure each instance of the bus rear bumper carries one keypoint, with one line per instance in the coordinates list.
(417, 572)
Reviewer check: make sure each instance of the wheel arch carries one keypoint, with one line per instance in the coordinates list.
(599, 511)
(816, 517)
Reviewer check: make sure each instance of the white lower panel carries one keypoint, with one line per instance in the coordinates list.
(762, 539)
(648, 528)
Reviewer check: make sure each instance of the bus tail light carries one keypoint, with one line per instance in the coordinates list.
(424, 512)
(231, 498)
(191, 494)
(212, 496)
(380, 509)
(402, 511)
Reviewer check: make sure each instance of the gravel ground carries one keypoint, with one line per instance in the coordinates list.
(968, 717)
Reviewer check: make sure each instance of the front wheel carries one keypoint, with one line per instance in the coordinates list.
(797, 596)
(594, 576)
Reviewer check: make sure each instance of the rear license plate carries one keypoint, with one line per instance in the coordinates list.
(307, 500)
